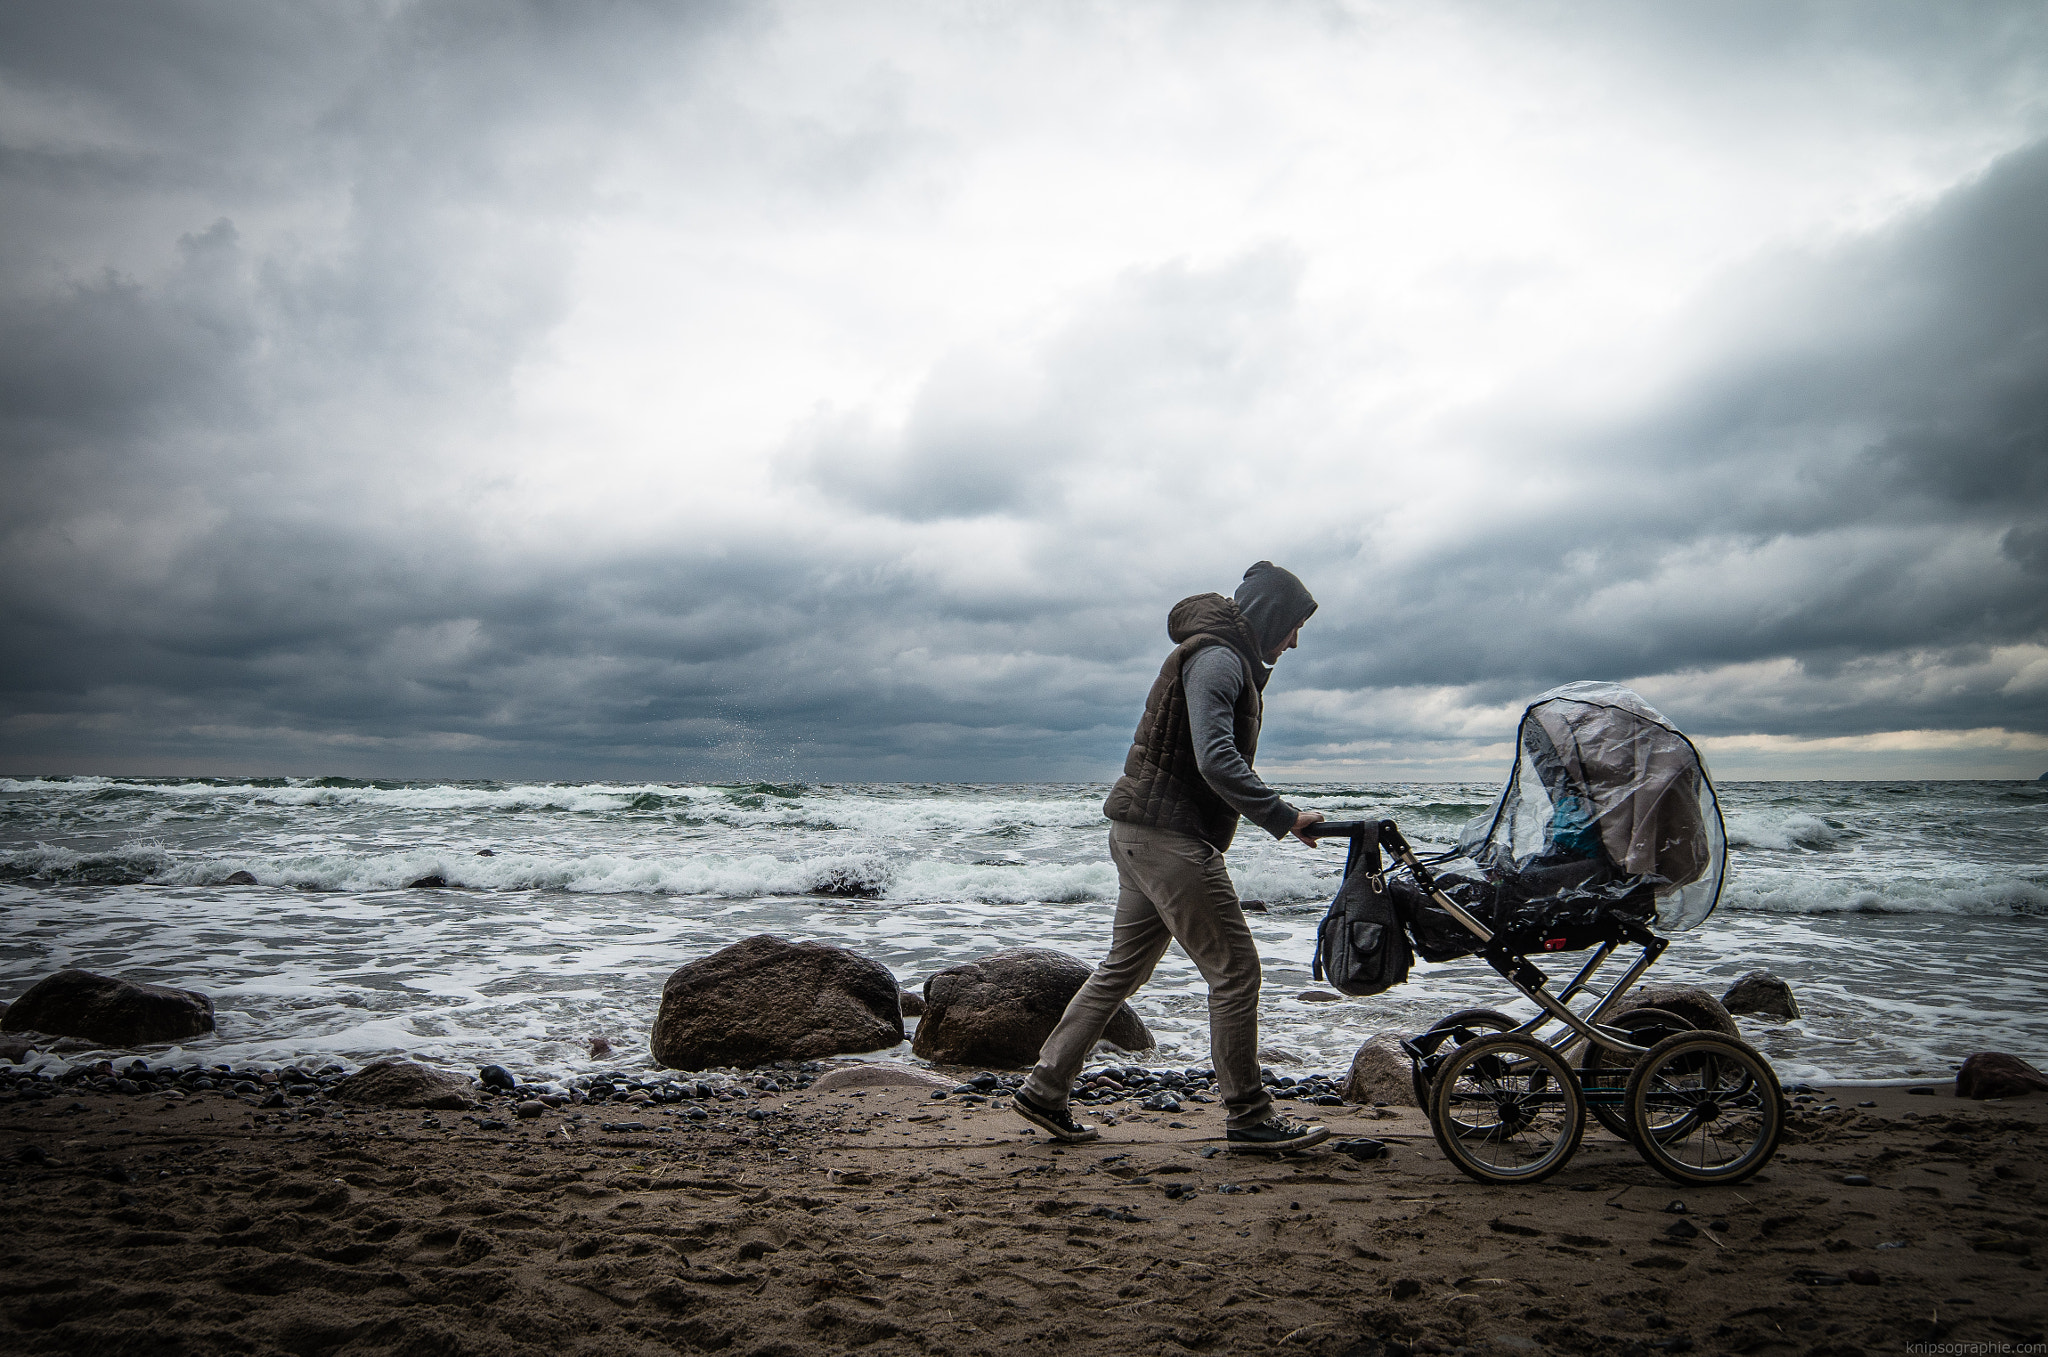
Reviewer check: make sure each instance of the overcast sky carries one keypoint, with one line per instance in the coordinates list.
(846, 390)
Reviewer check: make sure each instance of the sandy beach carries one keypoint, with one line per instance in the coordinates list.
(888, 1221)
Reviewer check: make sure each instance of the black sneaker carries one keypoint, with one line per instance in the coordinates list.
(1276, 1135)
(1058, 1122)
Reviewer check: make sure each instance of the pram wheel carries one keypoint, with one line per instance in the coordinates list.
(1463, 1025)
(1506, 1109)
(1705, 1108)
(1604, 1073)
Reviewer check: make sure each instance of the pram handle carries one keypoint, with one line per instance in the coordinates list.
(1338, 829)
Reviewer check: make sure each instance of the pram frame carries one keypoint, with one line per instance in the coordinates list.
(1653, 1109)
(1531, 980)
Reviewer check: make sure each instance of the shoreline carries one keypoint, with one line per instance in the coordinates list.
(883, 1219)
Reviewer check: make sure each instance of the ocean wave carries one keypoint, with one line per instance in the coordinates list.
(129, 865)
(1781, 831)
(1998, 897)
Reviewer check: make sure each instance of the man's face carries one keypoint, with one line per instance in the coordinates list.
(1293, 640)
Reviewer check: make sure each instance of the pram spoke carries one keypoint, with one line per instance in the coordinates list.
(1506, 1109)
(1604, 1072)
(1448, 1033)
(1705, 1108)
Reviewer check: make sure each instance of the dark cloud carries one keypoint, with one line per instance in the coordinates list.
(1862, 472)
(268, 278)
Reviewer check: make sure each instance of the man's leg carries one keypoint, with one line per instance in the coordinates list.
(1187, 883)
(1136, 943)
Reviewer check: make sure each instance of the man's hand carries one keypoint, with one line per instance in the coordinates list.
(1303, 822)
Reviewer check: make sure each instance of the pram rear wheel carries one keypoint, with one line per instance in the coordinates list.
(1463, 1025)
(1604, 1073)
(1705, 1108)
(1506, 1109)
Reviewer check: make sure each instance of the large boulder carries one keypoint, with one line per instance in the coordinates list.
(765, 998)
(1761, 992)
(110, 1011)
(1380, 1073)
(998, 1010)
(1690, 1002)
(1994, 1074)
(401, 1083)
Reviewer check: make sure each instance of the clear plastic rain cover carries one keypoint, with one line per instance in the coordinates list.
(1602, 775)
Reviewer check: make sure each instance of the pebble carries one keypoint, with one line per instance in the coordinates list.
(617, 1126)
(497, 1077)
(1856, 1180)
(530, 1109)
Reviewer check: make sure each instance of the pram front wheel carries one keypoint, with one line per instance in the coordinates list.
(1463, 1025)
(1704, 1108)
(1506, 1109)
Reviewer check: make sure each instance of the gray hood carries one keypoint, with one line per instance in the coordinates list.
(1274, 602)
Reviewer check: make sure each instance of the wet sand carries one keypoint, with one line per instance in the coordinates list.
(887, 1222)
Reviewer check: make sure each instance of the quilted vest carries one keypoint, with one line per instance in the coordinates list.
(1162, 787)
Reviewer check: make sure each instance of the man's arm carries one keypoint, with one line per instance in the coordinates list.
(1213, 678)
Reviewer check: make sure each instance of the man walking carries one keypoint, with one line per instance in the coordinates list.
(1173, 814)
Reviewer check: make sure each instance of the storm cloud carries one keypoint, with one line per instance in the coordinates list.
(847, 392)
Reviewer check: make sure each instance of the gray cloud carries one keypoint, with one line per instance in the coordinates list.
(261, 270)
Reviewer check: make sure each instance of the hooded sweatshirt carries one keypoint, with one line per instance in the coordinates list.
(1189, 767)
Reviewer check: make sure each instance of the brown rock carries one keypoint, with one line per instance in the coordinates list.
(17, 1046)
(401, 1083)
(1761, 992)
(1690, 1002)
(878, 1075)
(998, 1010)
(1994, 1074)
(239, 879)
(110, 1011)
(765, 999)
(911, 1002)
(1380, 1073)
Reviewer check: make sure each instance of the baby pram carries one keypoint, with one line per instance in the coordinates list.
(1608, 828)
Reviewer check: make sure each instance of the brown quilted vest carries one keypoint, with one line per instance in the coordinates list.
(1161, 785)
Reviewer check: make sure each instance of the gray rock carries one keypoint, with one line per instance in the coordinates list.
(497, 1077)
(401, 1083)
(239, 879)
(1690, 1002)
(18, 1046)
(997, 1010)
(109, 1011)
(1761, 992)
(765, 999)
(1380, 1073)
(1994, 1074)
(878, 1076)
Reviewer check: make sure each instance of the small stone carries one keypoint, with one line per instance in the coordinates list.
(1677, 1208)
(1683, 1229)
(485, 853)
(599, 1048)
(497, 1077)
(1407, 1287)
(1318, 996)
(1921, 1092)
(620, 1126)
(239, 879)
(530, 1110)
(1869, 1103)
(1863, 1276)
(1856, 1180)
(432, 882)
(491, 1124)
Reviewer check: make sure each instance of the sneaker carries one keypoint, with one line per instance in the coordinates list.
(1276, 1135)
(1057, 1121)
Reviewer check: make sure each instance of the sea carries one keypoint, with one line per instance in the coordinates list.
(1911, 918)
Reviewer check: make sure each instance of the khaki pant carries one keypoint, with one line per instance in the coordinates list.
(1172, 888)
